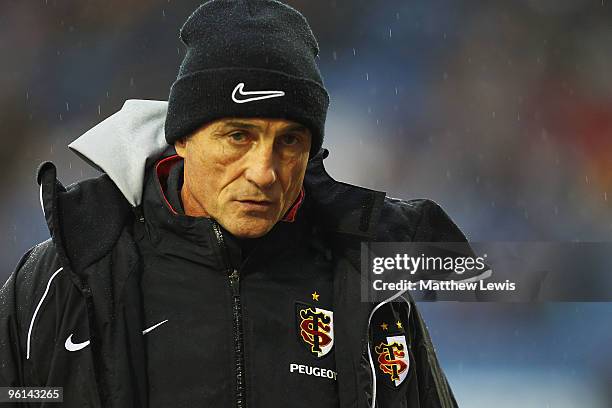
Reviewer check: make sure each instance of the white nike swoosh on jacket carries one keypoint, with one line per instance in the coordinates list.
(70, 346)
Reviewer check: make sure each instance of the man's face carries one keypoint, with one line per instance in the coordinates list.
(244, 173)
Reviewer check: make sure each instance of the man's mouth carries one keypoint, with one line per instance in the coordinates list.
(256, 205)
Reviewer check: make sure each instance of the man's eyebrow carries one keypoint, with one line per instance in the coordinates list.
(244, 125)
(294, 127)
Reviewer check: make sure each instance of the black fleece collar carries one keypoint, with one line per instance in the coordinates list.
(175, 184)
(86, 219)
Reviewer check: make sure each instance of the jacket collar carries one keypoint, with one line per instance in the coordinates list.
(95, 210)
(124, 147)
(164, 217)
(343, 208)
(127, 143)
(84, 219)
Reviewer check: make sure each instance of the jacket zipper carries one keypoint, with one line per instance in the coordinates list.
(234, 282)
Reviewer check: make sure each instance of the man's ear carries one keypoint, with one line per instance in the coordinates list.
(181, 147)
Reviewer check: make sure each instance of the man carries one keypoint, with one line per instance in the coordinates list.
(215, 262)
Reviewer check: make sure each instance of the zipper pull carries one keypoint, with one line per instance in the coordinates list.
(139, 213)
(235, 282)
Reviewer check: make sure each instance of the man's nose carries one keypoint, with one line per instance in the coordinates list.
(261, 168)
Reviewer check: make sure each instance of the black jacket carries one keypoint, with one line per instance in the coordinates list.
(85, 280)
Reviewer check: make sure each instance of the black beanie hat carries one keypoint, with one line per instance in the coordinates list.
(247, 58)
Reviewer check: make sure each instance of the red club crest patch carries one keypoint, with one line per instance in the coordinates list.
(315, 328)
(393, 359)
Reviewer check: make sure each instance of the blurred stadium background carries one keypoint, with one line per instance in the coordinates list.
(501, 111)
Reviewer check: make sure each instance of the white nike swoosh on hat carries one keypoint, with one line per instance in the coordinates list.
(70, 346)
(238, 91)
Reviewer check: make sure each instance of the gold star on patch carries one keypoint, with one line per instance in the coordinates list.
(398, 324)
(315, 296)
(384, 326)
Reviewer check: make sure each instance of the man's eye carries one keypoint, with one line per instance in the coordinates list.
(238, 136)
(290, 139)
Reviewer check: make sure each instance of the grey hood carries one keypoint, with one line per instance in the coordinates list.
(125, 144)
